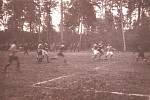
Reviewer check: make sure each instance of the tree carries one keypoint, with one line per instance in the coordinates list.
(30, 14)
(17, 7)
(1, 4)
(77, 16)
(77, 11)
(141, 24)
(27, 15)
(48, 27)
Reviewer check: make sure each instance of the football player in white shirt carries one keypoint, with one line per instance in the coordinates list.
(109, 52)
(13, 56)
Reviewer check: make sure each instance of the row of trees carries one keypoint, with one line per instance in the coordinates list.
(113, 22)
(113, 25)
(33, 16)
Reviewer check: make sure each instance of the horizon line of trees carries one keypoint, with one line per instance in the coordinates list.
(16, 16)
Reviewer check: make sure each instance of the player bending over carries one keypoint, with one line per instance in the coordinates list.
(97, 50)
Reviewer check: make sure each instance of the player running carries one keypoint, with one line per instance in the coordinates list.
(109, 51)
(13, 57)
(60, 53)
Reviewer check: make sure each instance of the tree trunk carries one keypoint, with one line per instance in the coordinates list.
(30, 26)
(139, 12)
(122, 28)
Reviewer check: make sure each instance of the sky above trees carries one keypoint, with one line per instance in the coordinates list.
(56, 15)
(107, 18)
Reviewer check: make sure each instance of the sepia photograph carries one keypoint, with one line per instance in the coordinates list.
(74, 49)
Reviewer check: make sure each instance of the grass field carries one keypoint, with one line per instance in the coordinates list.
(119, 78)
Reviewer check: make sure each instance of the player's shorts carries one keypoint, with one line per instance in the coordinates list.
(95, 52)
(109, 53)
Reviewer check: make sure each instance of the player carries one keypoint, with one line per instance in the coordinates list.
(41, 52)
(95, 50)
(60, 53)
(140, 53)
(100, 48)
(109, 52)
(26, 49)
(46, 46)
(13, 57)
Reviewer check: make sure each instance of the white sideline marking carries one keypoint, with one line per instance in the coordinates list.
(52, 88)
(96, 91)
(61, 77)
(121, 93)
(51, 80)
(43, 82)
(118, 93)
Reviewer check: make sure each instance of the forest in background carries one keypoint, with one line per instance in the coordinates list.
(31, 21)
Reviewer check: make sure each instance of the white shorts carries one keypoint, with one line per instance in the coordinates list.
(95, 52)
(44, 52)
(109, 53)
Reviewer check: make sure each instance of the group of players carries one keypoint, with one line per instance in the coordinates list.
(98, 50)
(101, 48)
(42, 51)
